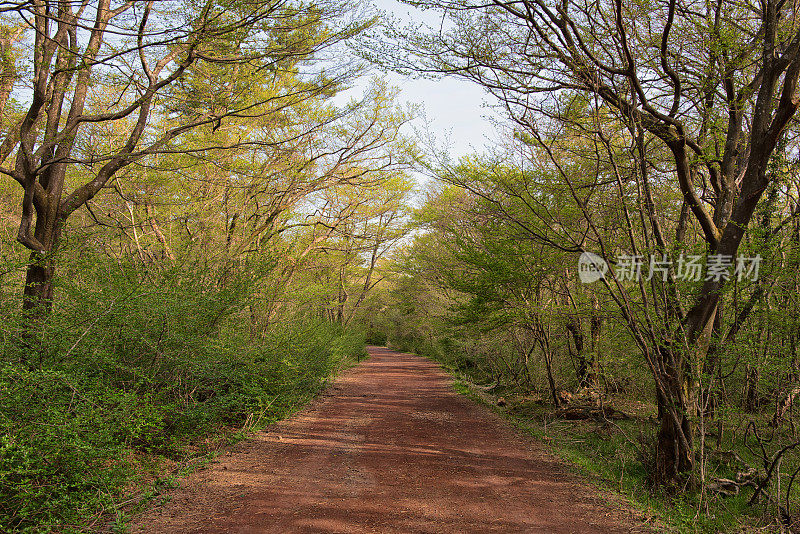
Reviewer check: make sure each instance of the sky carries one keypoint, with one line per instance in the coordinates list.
(454, 109)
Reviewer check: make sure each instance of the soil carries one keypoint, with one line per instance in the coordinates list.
(388, 448)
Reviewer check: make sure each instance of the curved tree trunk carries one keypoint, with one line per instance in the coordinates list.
(38, 292)
(677, 409)
(584, 358)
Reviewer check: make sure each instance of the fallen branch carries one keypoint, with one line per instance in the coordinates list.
(728, 488)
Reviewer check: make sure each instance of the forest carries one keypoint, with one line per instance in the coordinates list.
(209, 207)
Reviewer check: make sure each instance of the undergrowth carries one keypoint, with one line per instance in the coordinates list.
(131, 378)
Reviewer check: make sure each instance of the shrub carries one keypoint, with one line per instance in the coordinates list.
(135, 365)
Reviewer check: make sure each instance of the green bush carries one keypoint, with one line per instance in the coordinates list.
(131, 366)
(377, 337)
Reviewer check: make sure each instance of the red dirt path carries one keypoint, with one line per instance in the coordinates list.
(389, 448)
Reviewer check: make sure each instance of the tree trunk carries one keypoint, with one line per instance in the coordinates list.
(674, 448)
(584, 368)
(711, 368)
(38, 293)
(543, 338)
(341, 298)
(162, 238)
(785, 405)
(751, 376)
(677, 408)
(679, 373)
(37, 300)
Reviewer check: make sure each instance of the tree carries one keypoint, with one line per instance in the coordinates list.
(659, 82)
(139, 53)
(8, 66)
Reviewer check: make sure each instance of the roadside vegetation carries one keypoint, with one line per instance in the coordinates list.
(116, 401)
(510, 317)
(478, 291)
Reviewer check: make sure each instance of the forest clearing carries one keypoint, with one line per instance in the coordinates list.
(209, 208)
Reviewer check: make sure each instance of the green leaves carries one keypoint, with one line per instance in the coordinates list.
(137, 367)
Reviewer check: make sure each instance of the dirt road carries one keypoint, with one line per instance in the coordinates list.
(389, 448)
